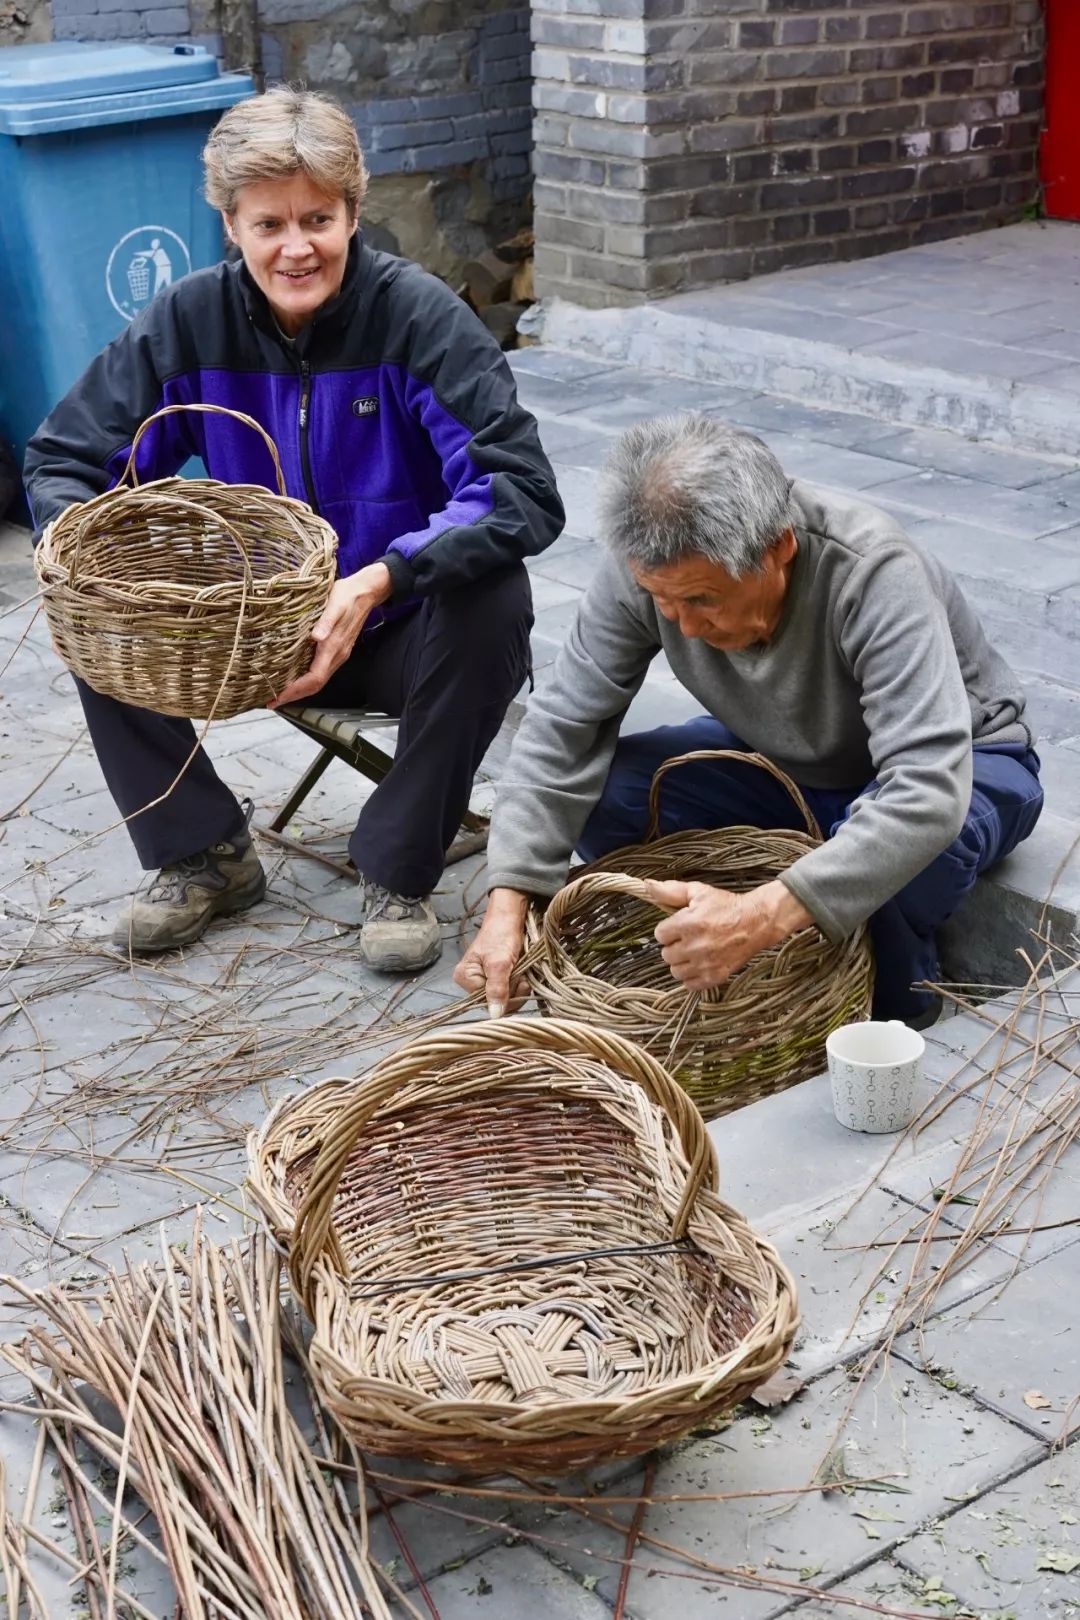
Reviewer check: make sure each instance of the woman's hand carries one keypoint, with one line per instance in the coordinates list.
(712, 933)
(347, 609)
(489, 962)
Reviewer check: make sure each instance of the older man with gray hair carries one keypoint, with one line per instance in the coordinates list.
(812, 630)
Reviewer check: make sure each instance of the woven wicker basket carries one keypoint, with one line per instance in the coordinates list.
(594, 959)
(508, 1239)
(187, 596)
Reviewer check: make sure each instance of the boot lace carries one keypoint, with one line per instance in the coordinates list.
(171, 882)
(384, 906)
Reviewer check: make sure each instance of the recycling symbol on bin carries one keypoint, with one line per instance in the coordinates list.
(142, 262)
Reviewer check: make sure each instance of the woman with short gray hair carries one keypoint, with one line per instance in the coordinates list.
(396, 417)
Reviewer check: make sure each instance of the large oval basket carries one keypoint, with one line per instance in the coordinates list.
(187, 596)
(508, 1239)
(594, 959)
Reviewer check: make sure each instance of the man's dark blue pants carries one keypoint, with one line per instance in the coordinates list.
(448, 671)
(1005, 804)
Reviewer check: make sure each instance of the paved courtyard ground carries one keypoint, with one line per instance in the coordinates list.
(126, 1091)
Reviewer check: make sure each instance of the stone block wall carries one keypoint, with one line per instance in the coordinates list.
(682, 142)
(24, 22)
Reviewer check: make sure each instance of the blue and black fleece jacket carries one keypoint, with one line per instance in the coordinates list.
(394, 413)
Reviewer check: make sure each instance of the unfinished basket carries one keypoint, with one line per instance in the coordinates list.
(508, 1239)
(595, 959)
(187, 596)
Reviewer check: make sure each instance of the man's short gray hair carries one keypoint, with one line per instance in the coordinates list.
(690, 486)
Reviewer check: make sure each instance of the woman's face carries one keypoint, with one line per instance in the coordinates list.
(295, 242)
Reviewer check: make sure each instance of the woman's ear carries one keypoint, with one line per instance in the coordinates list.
(228, 224)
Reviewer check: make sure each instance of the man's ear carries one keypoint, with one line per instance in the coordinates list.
(228, 224)
(785, 547)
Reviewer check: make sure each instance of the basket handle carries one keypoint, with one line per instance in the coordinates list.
(313, 1234)
(207, 410)
(760, 760)
(590, 885)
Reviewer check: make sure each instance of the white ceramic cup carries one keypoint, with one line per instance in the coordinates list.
(876, 1071)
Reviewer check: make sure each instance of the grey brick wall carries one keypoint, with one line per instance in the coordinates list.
(486, 120)
(679, 142)
(161, 22)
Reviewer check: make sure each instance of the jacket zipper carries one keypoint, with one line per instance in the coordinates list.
(305, 458)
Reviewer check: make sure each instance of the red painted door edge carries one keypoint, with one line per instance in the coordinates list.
(1060, 147)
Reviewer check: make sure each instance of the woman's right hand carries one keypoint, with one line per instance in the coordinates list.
(490, 960)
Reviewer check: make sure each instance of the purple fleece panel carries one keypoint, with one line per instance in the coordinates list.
(472, 495)
(382, 445)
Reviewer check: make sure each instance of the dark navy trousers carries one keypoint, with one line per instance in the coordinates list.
(1005, 804)
(448, 671)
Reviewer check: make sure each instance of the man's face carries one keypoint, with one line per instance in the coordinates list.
(709, 605)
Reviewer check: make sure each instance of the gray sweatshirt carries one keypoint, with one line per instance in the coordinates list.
(877, 669)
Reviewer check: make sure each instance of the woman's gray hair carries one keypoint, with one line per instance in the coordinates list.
(283, 132)
(691, 486)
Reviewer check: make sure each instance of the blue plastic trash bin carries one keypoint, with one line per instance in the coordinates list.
(101, 202)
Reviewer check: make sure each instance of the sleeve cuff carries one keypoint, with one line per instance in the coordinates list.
(525, 883)
(794, 881)
(402, 576)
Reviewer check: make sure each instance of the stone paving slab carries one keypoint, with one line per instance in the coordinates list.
(809, 1156)
(941, 336)
(1027, 1338)
(948, 453)
(989, 1555)
(514, 1580)
(884, 1583)
(960, 354)
(849, 1274)
(924, 1181)
(935, 1443)
(1024, 514)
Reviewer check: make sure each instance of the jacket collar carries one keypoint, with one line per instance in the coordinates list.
(335, 313)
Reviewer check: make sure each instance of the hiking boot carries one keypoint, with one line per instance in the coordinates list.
(399, 935)
(185, 896)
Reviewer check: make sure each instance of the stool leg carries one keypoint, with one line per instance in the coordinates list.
(302, 789)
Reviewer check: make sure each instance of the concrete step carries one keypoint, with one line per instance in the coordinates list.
(693, 336)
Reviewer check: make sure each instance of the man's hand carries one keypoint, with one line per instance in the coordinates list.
(712, 933)
(347, 609)
(489, 962)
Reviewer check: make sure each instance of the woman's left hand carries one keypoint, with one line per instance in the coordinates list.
(712, 933)
(347, 609)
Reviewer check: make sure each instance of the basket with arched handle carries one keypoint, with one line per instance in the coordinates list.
(594, 959)
(187, 596)
(509, 1242)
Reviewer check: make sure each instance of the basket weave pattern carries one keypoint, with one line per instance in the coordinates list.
(594, 959)
(187, 596)
(509, 1241)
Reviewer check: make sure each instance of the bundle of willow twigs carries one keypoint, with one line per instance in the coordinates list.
(594, 959)
(253, 1519)
(16, 1576)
